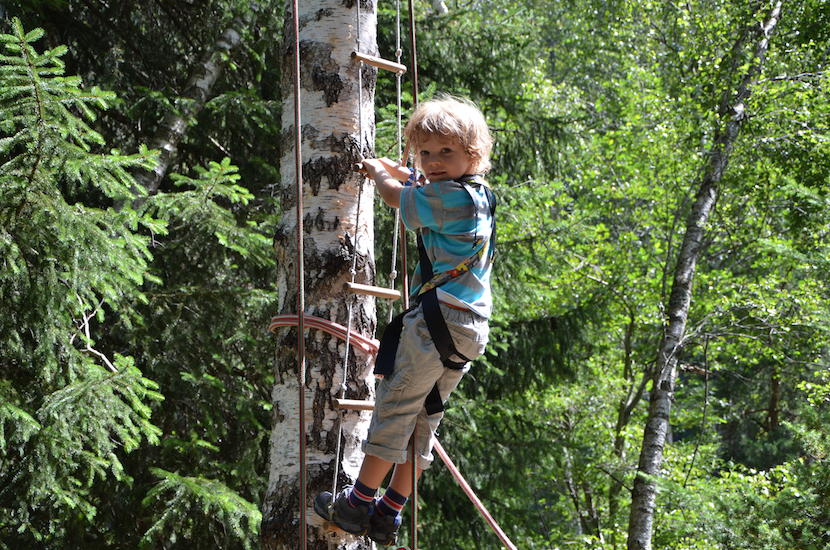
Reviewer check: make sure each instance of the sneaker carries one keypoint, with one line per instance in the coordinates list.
(352, 519)
(384, 529)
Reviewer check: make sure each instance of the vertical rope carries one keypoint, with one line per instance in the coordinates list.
(414, 55)
(414, 70)
(301, 369)
(343, 385)
(393, 272)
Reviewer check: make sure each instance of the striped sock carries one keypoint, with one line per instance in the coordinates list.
(391, 503)
(361, 494)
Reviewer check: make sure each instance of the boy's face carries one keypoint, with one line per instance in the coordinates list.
(442, 159)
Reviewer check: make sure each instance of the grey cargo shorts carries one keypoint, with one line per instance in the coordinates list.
(399, 400)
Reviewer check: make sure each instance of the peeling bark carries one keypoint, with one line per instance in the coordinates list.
(644, 494)
(332, 141)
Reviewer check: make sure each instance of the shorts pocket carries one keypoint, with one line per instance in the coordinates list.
(392, 395)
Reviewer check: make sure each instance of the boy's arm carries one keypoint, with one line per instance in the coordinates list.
(397, 171)
(388, 176)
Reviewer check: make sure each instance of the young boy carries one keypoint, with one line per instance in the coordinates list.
(426, 350)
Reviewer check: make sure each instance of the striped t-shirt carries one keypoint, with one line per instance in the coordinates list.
(455, 223)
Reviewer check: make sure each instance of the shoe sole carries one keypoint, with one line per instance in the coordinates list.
(351, 528)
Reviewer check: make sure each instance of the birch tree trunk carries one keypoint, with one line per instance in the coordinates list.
(196, 93)
(733, 113)
(333, 139)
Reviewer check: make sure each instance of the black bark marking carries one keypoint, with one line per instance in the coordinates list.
(329, 83)
(336, 169)
(280, 527)
(364, 4)
(325, 74)
(318, 15)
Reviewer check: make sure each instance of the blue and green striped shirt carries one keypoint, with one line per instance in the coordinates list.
(456, 222)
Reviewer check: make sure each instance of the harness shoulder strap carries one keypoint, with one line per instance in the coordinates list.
(428, 298)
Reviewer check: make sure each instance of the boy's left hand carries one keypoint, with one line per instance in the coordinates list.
(371, 167)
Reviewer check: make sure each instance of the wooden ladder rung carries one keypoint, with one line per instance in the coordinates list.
(377, 291)
(380, 63)
(330, 526)
(353, 405)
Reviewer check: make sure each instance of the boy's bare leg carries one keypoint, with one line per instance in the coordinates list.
(401, 480)
(373, 471)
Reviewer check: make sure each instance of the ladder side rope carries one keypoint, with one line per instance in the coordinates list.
(349, 333)
(301, 370)
(393, 272)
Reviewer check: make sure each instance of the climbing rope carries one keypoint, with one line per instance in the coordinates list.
(414, 69)
(301, 370)
(393, 272)
(472, 496)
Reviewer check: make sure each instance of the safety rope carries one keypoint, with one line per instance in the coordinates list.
(472, 496)
(414, 72)
(301, 370)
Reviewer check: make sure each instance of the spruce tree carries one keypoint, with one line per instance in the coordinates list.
(69, 409)
(88, 271)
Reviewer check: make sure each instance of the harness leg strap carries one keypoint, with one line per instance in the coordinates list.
(433, 404)
(441, 336)
(385, 358)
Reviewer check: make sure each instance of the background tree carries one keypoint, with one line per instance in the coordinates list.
(733, 113)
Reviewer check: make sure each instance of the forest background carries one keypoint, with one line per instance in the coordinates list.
(135, 360)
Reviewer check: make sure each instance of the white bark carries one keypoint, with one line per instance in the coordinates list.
(331, 142)
(439, 7)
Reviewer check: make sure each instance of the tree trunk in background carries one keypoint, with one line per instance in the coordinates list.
(331, 144)
(196, 93)
(733, 112)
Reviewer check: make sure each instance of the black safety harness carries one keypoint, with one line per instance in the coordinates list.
(428, 299)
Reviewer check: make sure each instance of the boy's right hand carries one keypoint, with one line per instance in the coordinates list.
(371, 167)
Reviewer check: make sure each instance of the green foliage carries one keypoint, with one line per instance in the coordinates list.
(604, 114)
(84, 273)
(201, 206)
(69, 413)
(214, 499)
(781, 507)
(588, 250)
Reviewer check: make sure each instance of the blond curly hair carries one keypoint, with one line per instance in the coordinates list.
(453, 118)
